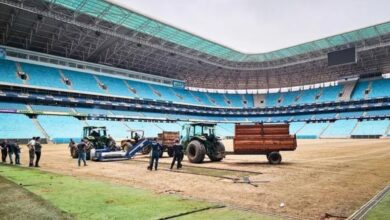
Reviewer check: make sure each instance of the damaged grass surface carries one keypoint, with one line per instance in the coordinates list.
(71, 197)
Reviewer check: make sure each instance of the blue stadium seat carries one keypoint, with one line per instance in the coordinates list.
(302, 117)
(296, 126)
(218, 98)
(116, 86)
(350, 114)
(143, 90)
(8, 72)
(330, 94)
(166, 93)
(186, 95)
(359, 91)
(289, 97)
(311, 130)
(271, 99)
(308, 96)
(280, 118)
(380, 88)
(49, 108)
(17, 126)
(93, 111)
(203, 98)
(340, 129)
(61, 128)
(43, 76)
(83, 81)
(372, 127)
(12, 106)
(322, 116)
(236, 100)
(385, 112)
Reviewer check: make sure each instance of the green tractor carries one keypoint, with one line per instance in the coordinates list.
(200, 140)
(97, 138)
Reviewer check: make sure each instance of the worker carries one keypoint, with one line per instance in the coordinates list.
(16, 149)
(37, 150)
(136, 137)
(31, 151)
(177, 154)
(10, 149)
(95, 133)
(4, 151)
(82, 152)
(155, 154)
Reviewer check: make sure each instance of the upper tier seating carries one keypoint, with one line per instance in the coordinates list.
(142, 89)
(8, 72)
(219, 100)
(43, 76)
(116, 86)
(236, 100)
(330, 94)
(308, 96)
(380, 88)
(83, 81)
(186, 96)
(359, 91)
(290, 97)
(166, 93)
(271, 99)
(17, 126)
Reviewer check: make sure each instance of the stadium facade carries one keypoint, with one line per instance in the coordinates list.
(90, 62)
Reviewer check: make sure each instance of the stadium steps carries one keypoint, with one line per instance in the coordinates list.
(29, 108)
(259, 100)
(354, 128)
(40, 128)
(369, 88)
(226, 100)
(323, 131)
(20, 69)
(387, 133)
(131, 89)
(101, 83)
(64, 77)
(211, 100)
(73, 110)
(155, 92)
(196, 98)
(347, 91)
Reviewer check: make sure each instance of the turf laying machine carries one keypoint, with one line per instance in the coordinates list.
(99, 148)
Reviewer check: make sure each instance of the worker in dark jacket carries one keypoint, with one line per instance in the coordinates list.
(4, 151)
(155, 154)
(16, 149)
(178, 154)
(38, 150)
(31, 151)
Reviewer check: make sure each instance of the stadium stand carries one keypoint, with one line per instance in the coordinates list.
(340, 129)
(115, 86)
(330, 94)
(82, 81)
(311, 130)
(380, 88)
(49, 108)
(12, 106)
(308, 96)
(21, 127)
(43, 76)
(8, 72)
(375, 127)
(70, 128)
(360, 89)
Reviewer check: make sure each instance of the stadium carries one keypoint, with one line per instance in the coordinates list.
(68, 65)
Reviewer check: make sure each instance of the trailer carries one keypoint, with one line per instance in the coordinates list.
(167, 139)
(266, 139)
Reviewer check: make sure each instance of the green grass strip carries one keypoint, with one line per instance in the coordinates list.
(381, 210)
(90, 199)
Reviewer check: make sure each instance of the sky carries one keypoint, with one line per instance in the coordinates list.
(257, 26)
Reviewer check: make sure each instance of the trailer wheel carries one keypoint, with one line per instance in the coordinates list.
(196, 152)
(170, 152)
(220, 148)
(274, 158)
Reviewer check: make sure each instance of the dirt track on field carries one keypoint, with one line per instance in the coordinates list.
(321, 176)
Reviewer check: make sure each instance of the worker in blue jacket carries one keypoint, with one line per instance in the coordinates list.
(155, 154)
(178, 154)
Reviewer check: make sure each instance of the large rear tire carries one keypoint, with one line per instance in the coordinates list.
(196, 152)
(274, 158)
(220, 152)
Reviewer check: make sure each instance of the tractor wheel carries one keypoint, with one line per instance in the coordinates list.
(274, 158)
(170, 152)
(73, 153)
(196, 152)
(220, 152)
(146, 150)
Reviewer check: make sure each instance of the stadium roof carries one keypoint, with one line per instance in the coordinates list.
(133, 20)
(97, 31)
